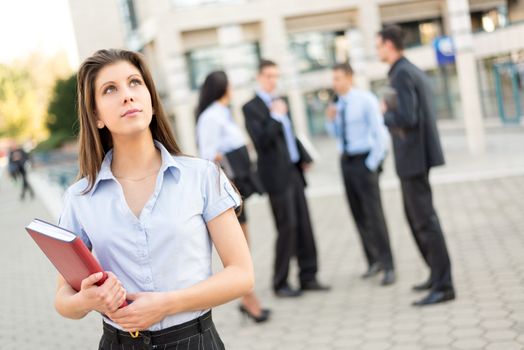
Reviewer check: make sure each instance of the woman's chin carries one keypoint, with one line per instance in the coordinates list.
(133, 131)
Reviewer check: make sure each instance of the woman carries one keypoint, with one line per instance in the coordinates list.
(150, 215)
(221, 140)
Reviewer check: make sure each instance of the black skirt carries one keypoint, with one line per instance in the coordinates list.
(197, 334)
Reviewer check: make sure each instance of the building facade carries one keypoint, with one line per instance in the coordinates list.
(183, 40)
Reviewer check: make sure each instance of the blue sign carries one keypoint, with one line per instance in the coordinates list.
(445, 50)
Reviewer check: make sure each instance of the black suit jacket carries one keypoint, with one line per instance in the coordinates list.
(267, 134)
(412, 123)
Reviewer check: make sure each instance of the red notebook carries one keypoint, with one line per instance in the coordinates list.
(67, 252)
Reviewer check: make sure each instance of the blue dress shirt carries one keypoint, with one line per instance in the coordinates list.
(365, 130)
(217, 132)
(291, 142)
(168, 247)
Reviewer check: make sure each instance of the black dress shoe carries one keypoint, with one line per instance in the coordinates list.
(373, 270)
(436, 297)
(314, 285)
(389, 277)
(423, 286)
(287, 292)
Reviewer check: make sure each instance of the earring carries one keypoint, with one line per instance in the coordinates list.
(100, 125)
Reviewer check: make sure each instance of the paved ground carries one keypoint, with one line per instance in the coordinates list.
(485, 231)
(482, 218)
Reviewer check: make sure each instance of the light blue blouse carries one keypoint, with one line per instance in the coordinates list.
(217, 132)
(168, 247)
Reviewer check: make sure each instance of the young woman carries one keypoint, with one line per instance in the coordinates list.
(150, 216)
(221, 140)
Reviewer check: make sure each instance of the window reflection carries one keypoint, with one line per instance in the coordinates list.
(422, 32)
(489, 20)
(316, 104)
(203, 61)
(317, 50)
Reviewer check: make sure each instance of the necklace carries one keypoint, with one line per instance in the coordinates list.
(136, 180)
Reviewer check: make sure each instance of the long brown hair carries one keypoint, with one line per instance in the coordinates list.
(94, 142)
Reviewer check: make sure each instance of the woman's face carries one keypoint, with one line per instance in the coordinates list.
(123, 101)
(229, 92)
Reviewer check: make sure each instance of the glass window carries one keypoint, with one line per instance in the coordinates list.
(501, 85)
(316, 105)
(489, 20)
(315, 50)
(446, 95)
(421, 32)
(203, 61)
(444, 82)
(129, 14)
(247, 68)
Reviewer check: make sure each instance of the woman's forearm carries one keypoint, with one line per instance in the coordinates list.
(229, 284)
(69, 304)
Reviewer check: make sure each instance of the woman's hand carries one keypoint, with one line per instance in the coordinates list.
(146, 310)
(106, 298)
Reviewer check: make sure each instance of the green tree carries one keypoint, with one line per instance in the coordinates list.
(61, 112)
(17, 103)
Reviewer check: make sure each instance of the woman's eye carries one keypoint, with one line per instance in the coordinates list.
(109, 89)
(135, 82)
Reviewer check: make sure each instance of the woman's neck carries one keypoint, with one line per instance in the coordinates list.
(135, 156)
(224, 100)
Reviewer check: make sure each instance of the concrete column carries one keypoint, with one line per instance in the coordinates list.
(369, 23)
(275, 47)
(230, 38)
(179, 102)
(357, 58)
(460, 24)
(169, 52)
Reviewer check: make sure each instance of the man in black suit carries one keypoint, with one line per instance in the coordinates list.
(282, 160)
(416, 144)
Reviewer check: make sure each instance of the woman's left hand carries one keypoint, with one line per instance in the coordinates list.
(145, 310)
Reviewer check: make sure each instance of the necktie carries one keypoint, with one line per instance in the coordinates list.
(343, 127)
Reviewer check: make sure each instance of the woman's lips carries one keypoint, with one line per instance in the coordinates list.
(131, 112)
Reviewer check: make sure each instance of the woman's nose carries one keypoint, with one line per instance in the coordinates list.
(128, 95)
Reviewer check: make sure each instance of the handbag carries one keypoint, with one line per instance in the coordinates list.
(238, 167)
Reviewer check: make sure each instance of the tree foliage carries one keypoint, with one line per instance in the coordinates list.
(18, 103)
(62, 114)
(26, 85)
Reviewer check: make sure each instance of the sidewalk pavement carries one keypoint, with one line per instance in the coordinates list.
(479, 201)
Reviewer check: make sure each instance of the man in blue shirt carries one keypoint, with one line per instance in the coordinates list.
(363, 140)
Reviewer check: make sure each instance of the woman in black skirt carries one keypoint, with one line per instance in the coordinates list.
(221, 140)
(150, 215)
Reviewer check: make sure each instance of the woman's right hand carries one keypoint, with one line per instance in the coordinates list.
(106, 298)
